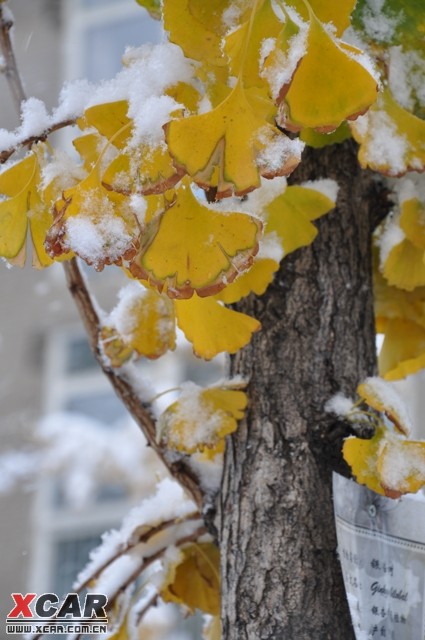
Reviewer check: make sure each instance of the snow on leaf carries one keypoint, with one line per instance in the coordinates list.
(88, 149)
(401, 467)
(383, 397)
(320, 95)
(392, 140)
(96, 224)
(200, 418)
(336, 13)
(195, 581)
(143, 321)
(212, 328)
(148, 171)
(191, 247)
(233, 138)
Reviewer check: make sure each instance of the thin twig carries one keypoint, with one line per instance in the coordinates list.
(10, 68)
(28, 142)
(141, 413)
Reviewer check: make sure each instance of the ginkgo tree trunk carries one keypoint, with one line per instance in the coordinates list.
(238, 175)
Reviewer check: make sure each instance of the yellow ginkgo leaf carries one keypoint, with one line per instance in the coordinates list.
(291, 213)
(337, 13)
(255, 280)
(195, 581)
(319, 140)
(89, 147)
(392, 140)
(362, 456)
(212, 328)
(404, 267)
(95, 223)
(23, 208)
(401, 467)
(153, 174)
(192, 247)
(111, 120)
(319, 96)
(403, 350)
(391, 302)
(144, 321)
(199, 33)
(18, 184)
(382, 396)
(243, 44)
(237, 146)
(200, 418)
(412, 221)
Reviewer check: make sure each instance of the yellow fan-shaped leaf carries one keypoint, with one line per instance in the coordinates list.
(255, 280)
(337, 13)
(89, 148)
(23, 205)
(155, 173)
(404, 266)
(145, 321)
(403, 349)
(212, 328)
(291, 213)
(197, 27)
(392, 140)
(243, 44)
(195, 581)
(392, 302)
(237, 146)
(362, 456)
(412, 221)
(111, 120)
(329, 85)
(401, 467)
(17, 183)
(191, 247)
(95, 223)
(201, 418)
(383, 397)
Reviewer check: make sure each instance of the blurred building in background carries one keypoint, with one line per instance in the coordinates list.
(46, 365)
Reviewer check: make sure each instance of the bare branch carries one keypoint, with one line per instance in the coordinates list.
(27, 142)
(141, 412)
(10, 68)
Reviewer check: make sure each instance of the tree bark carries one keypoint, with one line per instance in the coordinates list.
(281, 578)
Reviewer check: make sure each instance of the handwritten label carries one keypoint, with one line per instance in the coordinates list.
(381, 544)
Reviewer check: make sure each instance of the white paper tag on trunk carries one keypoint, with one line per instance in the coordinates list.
(381, 544)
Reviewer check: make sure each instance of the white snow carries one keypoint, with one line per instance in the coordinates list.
(270, 248)
(98, 237)
(378, 25)
(208, 471)
(340, 405)
(398, 463)
(276, 150)
(385, 146)
(406, 75)
(386, 393)
(64, 170)
(390, 237)
(326, 186)
(285, 63)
